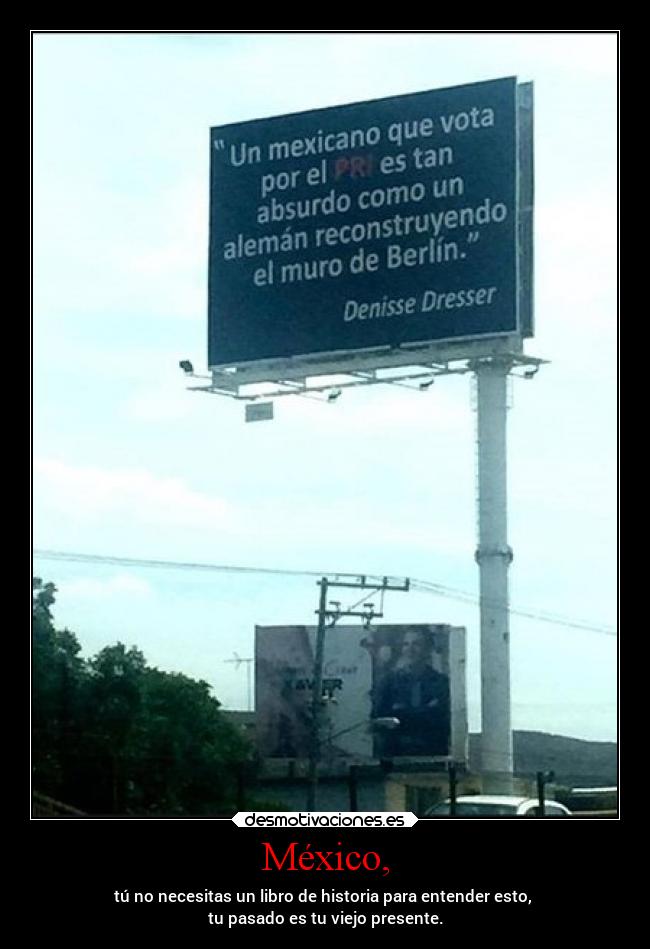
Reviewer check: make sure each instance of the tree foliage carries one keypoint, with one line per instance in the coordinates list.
(114, 735)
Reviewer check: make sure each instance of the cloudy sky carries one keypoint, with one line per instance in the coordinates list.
(128, 463)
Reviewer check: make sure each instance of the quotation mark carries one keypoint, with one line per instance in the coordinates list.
(219, 144)
(472, 237)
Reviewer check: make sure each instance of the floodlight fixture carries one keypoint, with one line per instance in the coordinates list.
(426, 384)
(186, 366)
(388, 722)
(333, 395)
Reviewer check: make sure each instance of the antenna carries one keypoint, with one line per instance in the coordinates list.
(238, 661)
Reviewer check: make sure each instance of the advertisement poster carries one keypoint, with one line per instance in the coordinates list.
(401, 676)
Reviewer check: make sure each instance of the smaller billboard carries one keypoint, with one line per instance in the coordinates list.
(393, 691)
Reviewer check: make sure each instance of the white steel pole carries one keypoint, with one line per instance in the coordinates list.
(493, 556)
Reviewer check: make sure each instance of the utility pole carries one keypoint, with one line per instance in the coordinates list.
(367, 614)
(317, 696)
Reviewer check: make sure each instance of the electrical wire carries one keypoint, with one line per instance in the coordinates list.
(539, 615)
(421, 586)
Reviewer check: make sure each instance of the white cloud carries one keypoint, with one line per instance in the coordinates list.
(138, 253)
(569, 222)
(159, 403)
(122, 584)
(92, 493)
(176, 243)
(576, 267)
(386, 410)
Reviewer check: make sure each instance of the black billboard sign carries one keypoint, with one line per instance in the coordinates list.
(368, 225)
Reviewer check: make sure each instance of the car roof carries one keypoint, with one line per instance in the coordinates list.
(492, 799)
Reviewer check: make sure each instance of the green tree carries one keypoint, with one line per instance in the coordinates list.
(113, 697)
(58, 676)
(114, 735)
(184, 754)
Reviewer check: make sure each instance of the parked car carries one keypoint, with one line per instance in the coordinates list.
(498, 805)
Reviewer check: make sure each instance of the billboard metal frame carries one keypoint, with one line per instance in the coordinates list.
(323, 380)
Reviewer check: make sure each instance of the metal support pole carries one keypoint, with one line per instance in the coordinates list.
(317, 698)
(353, 785)
(493, 556)
(541, 782)
(453, 785)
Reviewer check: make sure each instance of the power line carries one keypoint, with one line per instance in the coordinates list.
(171, 564)
(422, 586)
(543, 617)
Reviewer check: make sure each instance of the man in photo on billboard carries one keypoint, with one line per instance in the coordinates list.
(417, 694)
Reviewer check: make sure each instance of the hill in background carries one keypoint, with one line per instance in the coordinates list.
(576, 762)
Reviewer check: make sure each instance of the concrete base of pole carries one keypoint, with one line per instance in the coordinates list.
(497, 782)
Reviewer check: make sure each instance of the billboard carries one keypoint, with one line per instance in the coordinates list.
(374, 225)
(391, 691)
